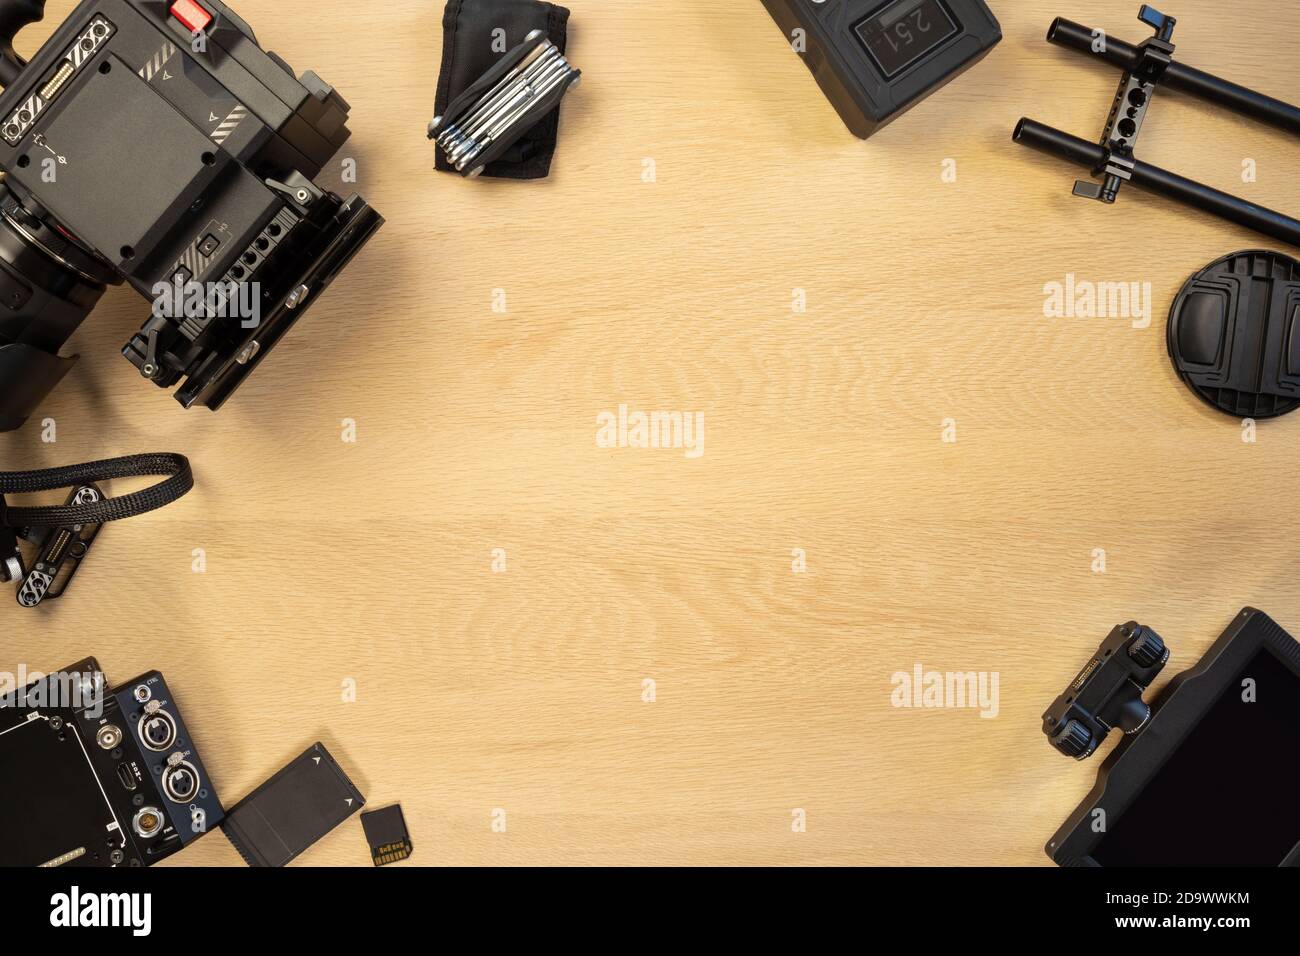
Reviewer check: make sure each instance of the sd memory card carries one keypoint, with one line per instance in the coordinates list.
(387, 835)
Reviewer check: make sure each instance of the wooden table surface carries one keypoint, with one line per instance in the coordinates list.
(702, 189)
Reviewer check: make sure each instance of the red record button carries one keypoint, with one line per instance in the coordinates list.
(190, 13)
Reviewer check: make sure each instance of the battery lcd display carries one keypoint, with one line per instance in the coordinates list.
(901, 33)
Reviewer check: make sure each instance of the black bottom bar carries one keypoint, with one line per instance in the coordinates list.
(314, 911)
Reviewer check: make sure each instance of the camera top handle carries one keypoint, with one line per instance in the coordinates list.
(14, 15)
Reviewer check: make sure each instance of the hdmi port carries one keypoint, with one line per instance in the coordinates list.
(126, 776)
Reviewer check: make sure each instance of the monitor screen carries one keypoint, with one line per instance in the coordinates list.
(1228, 795)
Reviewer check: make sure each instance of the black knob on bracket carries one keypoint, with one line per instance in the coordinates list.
(1074, 740)
(1148, 649)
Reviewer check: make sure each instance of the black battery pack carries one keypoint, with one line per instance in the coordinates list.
(876, 59)
(293, 810)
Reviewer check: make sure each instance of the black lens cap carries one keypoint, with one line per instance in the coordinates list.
(1234, 334)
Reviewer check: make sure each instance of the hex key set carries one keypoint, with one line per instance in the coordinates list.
(492, 114)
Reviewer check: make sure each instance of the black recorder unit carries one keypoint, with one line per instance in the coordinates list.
(155, 142)
(876, 59)
(96, 778)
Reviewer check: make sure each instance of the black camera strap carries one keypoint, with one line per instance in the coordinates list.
(64, 534)
(174, 468)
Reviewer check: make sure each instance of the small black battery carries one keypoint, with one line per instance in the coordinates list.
(876, 59)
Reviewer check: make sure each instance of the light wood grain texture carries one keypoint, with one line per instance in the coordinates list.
(522, 690)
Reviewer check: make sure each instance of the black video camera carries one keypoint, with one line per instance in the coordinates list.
(155, 142)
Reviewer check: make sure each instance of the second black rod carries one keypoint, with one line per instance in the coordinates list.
(1197, 195)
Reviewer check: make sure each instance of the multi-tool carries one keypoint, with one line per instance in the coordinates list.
(488, 118)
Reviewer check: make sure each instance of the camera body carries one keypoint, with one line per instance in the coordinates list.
(97, 777)
(154, 142)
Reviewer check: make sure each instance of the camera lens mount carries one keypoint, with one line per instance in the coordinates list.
(48, 286)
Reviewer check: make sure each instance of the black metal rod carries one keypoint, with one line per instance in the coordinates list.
(1187, 191)
(1048, 139)
(1180, 77)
